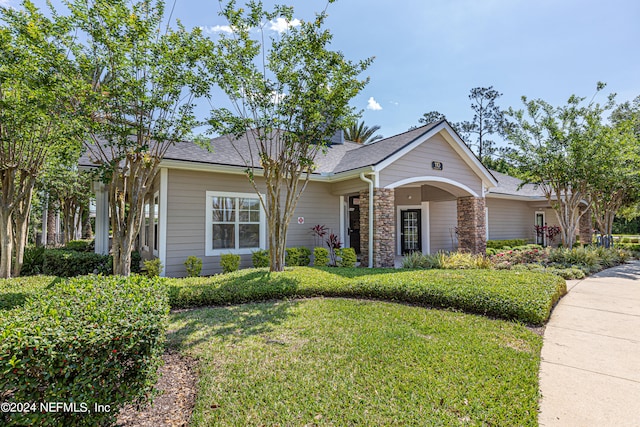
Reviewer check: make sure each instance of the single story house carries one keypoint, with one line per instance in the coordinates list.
(430, 193)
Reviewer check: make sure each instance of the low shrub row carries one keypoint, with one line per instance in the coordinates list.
(14, 292)
(524, 296)
(70, 263)
(90, 340)
(499, 244)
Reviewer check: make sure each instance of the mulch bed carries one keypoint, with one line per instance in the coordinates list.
(174, 404)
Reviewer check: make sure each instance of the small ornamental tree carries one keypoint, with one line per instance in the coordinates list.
(557, 149)
(290, 94)
(36, 118)
(142, 81)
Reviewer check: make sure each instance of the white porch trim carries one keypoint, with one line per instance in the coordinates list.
(162, 221)
(429, 178)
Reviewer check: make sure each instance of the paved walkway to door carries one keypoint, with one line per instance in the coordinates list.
(590, 370)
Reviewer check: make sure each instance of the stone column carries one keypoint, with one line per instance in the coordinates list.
(585, 228)
(384, 234)
(472, 232)
(364, 228)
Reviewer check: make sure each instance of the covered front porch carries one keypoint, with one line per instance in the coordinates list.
(427, 214)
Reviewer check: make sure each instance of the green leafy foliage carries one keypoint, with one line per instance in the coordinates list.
(142, 76)
(299, 256)
(499, 244)
(153, 267)
(33, 262)
(524, 296)
(445, 260)
(79, 245)
(91, 340)
(260, 258)
(229, 262)
(348, 258)
(14, 292)
(193, 265)
(320, 257)
(37, 82)
(63, 263)
(293, 91)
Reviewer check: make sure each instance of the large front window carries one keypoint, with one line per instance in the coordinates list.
(235, 223)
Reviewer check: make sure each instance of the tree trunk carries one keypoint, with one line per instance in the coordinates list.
(20, 237)
(6, 239)
(51, 224)
(87, 231)
(21, 221)
(126, 198)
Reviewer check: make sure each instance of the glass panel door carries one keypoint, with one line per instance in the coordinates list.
(411, 231)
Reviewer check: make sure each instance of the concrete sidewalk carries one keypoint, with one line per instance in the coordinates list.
(590, 370)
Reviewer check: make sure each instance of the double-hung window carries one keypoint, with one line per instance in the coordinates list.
(235, 223)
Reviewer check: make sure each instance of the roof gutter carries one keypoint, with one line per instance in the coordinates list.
(370, 182)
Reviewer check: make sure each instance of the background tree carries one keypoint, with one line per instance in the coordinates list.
(70, 189)
(290, 95)
(144, 79)
(362, 134)
(36, 120)
(487, 120)
(555, 148)
(615, 181)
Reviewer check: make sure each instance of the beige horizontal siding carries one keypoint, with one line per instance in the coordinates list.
(186, 216)
(510, 219)
(418, 163)
(443, 219)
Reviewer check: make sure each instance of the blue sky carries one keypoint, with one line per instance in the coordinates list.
(429, 54)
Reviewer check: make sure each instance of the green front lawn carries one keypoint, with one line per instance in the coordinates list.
(356, 362)
(524, 296)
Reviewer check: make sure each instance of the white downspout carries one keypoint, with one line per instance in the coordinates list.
(370, 182)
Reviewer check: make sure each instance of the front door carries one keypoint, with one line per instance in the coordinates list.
(354, 223)
(539, 228)
(410, 231)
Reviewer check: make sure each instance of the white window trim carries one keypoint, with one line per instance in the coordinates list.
(208, 250)
(154, 217)
(144, 233)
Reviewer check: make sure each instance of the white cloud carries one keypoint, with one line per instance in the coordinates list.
(372, 104)
(5, 3)
(211, 30)
(281, 25)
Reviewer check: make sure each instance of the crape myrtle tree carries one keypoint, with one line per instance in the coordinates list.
(36, 121)
(290, 93)
(558, 148)
(70, 189)
(616, 179)
(144, 77)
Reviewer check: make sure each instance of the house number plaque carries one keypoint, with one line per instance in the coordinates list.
(436, 165)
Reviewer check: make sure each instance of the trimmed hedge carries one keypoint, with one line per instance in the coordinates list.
(14, 292)
(524, 296)
(63, 263)
(298, 256)
(80, 245)
(69, 263)
(499, 244)
(91, 340)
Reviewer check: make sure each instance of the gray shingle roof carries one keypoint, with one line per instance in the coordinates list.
(509, 185)
(374, 153)
(336, 158)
